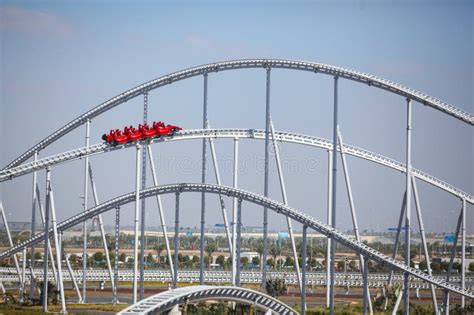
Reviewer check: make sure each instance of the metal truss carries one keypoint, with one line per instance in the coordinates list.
(339, 72)
(232, 134)
(273, 205)
(164, 301)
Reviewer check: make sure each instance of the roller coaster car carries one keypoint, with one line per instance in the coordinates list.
(146, 131)
(132, 133)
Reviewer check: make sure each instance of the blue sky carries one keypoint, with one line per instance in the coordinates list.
(61, 58)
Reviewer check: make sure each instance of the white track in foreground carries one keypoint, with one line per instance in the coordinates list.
(164, 301)
(273, 205)
(231, 134)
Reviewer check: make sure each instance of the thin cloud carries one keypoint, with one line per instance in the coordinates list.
(34, 23)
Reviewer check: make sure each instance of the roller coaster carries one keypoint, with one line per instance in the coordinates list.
(141, 141)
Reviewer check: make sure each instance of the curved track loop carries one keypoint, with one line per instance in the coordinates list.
(166, 300)
(235, 133)
(340, 72)
(276, 206)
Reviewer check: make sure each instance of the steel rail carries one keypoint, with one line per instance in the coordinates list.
(340, 72)
(166, 300)
(282, 136)
(275, 206)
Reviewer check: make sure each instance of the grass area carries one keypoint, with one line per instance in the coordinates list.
(25, 310)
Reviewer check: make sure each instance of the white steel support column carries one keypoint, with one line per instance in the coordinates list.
(463, 251)
(143, 208)
(101, 227)
(238, 243)
(265, 188)
(406, 278)
(203, 181)
(451, 261)
(160, 212)
(69, 268)
(333, 197)
(329, 221)
(58, 253)
(423, 241)
(136, 223)
(50, 251)
(235, 263)
(366, 285)
(23, 275)
(176, 241)
(84, 225)
(10, 241)
(285, 201)
(116, 262)
(33, 226)
(46, 241)
(221, 199)
(303, 268)
(351, 203)
(397, 240)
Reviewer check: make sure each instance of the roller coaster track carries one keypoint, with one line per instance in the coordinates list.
(166, 300)
(339, 72)
(234, 133)
(376, 280)
(273, 205)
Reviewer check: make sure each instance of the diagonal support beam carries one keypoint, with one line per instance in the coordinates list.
(10, 241)
(101, 227)
(350, 197)
(285, 201)
(160, 212)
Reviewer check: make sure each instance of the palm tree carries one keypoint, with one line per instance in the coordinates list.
(275, 251)
(159, 249)
(209, 249)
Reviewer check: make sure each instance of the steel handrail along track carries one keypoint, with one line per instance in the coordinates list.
(341, 72)
(253, 198)
(234, 133)
(166, 300)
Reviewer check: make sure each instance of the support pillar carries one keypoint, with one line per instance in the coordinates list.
(366, 286)
(238, 243)
(160, 212)
(406, 276)
(203, 181)
(50, 251)
(221, 199)
(116, 262)
(235, 263)
(265, 188)
(33, 227)
(329, 222)
(84, 225)
(333, 197)
(101, 227)
(463, 252)
(303, 270)
(350, 198)
(143, 210)
(423, 241)
(176, 241)
(10, 241)
(451, 261)
(58, 253)
(285, 201)
(69, 268)
(46, 240)
(136, 224)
